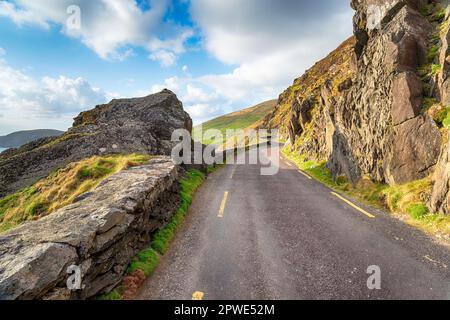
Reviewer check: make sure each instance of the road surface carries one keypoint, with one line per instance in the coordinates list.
(286, 236)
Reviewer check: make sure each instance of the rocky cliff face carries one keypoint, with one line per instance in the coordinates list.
(141, 125)
(377, 121)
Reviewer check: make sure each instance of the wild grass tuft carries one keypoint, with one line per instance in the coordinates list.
(61, 188)
(147, 260)
(417, 210)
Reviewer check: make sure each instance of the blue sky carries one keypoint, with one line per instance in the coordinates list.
(217, 56)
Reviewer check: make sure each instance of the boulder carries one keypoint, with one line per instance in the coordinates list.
(139, 125)
(407, 93)
(413, 150)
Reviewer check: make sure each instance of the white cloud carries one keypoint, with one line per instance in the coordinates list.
(165, 58)
(109, 27)
(21, 17)
(2, 51)
(271, 42)
(26, 103)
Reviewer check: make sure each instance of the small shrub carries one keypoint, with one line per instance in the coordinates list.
(417, 211)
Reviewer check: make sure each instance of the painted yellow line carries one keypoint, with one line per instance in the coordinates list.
(222, 205)
(198, 295)
(353, 205)
(305, 174)
(289, 164)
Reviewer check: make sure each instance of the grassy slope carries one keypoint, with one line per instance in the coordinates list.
(334, 67)
(61, 188)
(242, 119)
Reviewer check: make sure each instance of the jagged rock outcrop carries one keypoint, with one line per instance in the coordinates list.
(140, 125)
(99, 234)
(440, 198)
(369, 122)
(301, 114)
(369, 118)
(389, 137)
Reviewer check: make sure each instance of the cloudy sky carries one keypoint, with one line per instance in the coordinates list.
(59, 57)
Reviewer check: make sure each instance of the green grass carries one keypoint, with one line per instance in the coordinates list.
(147, 260)
(432, 53)
(435, 69)
(236, 120)
(446, 122)
(443, 117)
(113, 295)
(61, 188)
(418, 210)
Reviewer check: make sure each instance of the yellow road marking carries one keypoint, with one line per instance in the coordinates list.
(289, 164)
(222, 205)
(198, 295)
(353, 205)
(305, 174)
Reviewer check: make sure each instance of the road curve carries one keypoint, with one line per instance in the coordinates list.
(288, 237)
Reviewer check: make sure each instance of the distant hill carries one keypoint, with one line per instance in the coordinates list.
(19, 138)
(242, 119)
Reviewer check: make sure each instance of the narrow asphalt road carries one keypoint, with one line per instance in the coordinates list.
(249, 236)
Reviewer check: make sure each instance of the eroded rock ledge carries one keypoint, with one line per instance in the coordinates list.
(100, 233)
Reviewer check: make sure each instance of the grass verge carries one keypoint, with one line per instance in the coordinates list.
(147, 260)
(407, 200)
(61, 188)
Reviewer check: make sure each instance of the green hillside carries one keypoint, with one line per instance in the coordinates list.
(237, 120)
